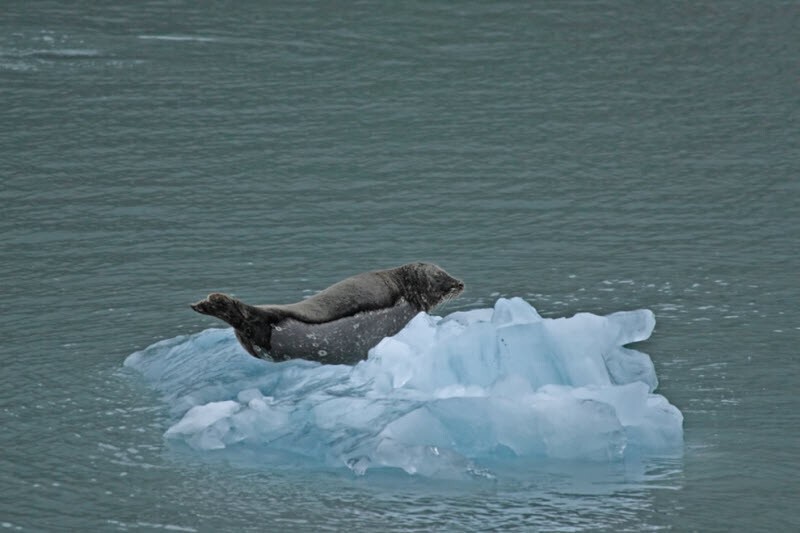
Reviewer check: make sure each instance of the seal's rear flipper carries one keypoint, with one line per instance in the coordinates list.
(223, 307)
(253, 326)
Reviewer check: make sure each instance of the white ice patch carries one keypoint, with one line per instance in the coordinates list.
(434, 399)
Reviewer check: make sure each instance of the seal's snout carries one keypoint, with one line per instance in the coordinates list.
(458, 288)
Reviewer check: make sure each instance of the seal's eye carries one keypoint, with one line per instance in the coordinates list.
(248, 331)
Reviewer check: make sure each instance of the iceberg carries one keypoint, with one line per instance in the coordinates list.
(440, 398)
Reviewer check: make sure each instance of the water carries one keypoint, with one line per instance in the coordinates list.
(587, 157)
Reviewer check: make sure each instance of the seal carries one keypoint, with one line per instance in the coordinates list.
(341, 323)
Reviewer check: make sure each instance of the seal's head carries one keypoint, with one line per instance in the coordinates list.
(427, 285)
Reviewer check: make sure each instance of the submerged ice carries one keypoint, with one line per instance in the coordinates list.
(436, 399)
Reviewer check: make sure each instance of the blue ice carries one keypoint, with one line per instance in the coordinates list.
(436, 399)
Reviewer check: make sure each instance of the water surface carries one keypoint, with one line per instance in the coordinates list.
(586, 156)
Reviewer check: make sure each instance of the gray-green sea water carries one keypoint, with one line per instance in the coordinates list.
(587, 156)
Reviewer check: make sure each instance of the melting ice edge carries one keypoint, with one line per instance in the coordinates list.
(434, 399)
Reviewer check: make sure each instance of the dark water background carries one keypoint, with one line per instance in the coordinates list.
(588, 156)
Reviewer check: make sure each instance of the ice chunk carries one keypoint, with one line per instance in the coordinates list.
(206, 426)
(436, 399)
